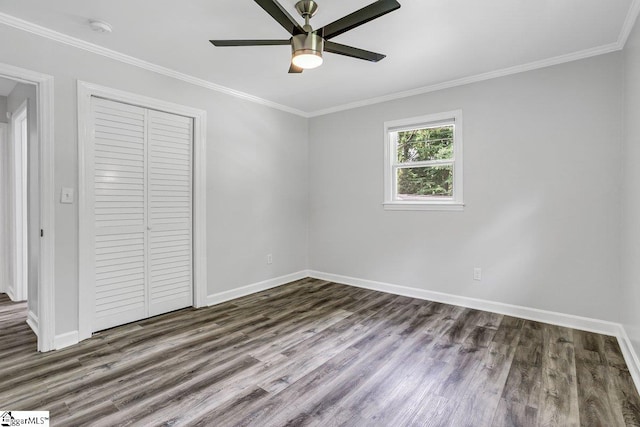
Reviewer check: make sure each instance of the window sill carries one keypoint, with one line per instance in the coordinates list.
(423, 206)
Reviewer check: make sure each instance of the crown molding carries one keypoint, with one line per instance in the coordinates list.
(629, 22)
(30, 27)
(582, 54)
(632, 15)
(627, 27)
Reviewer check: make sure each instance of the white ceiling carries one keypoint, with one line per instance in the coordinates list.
(426, 42)
(6, 86)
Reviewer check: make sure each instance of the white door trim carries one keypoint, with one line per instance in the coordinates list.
(19, 179)
(86, 285)
(46, 272)
(4, 197)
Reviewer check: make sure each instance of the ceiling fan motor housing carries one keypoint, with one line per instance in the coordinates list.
(311, 44)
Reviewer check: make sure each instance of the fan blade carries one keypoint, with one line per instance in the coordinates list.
(359, 17)
(353, 52)
(277, 12)
(221, 43)
(295, 70)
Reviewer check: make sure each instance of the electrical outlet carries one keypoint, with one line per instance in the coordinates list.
(477, 273)
(269, 259)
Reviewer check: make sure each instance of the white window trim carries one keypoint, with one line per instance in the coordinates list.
(440, 204)
(199, 230)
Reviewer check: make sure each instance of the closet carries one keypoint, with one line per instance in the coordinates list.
(140, 164)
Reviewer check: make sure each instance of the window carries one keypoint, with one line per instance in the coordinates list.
(423, 163)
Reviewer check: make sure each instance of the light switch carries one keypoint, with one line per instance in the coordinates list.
(67, 195)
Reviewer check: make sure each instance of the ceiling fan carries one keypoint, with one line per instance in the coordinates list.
(308, 44)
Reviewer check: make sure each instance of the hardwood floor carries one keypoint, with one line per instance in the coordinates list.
(319, 353)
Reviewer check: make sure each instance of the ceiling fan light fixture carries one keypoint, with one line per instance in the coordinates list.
(307, 50)
(307, 59)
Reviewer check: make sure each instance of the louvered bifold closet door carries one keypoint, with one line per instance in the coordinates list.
(142, 178)
(170, 205)
(119, 153)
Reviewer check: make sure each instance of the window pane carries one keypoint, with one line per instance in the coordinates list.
(425, 144)
(425, 182)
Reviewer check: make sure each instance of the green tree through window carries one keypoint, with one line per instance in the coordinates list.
(420, 145)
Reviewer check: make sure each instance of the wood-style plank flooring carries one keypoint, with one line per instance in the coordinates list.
(323, 354)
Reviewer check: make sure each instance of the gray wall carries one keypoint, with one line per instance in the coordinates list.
(21, 93)
(256, 178)
(631, 190)
(542, 185)
(3, 109)
(542, 154)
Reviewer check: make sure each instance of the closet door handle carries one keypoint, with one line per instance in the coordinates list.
(149, 227)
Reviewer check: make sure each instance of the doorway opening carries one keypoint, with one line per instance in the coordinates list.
(21, 195)
(26, 207)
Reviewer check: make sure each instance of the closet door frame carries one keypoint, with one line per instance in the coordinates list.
(86, 290)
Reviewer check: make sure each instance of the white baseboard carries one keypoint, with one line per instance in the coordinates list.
(630, 356)
(255, 287)
(560, 319)
(551, 317)
(11, 294)
(32, 321)
(65, 340)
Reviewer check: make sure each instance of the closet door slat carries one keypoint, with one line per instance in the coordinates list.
(118, 184)
(170, 212)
